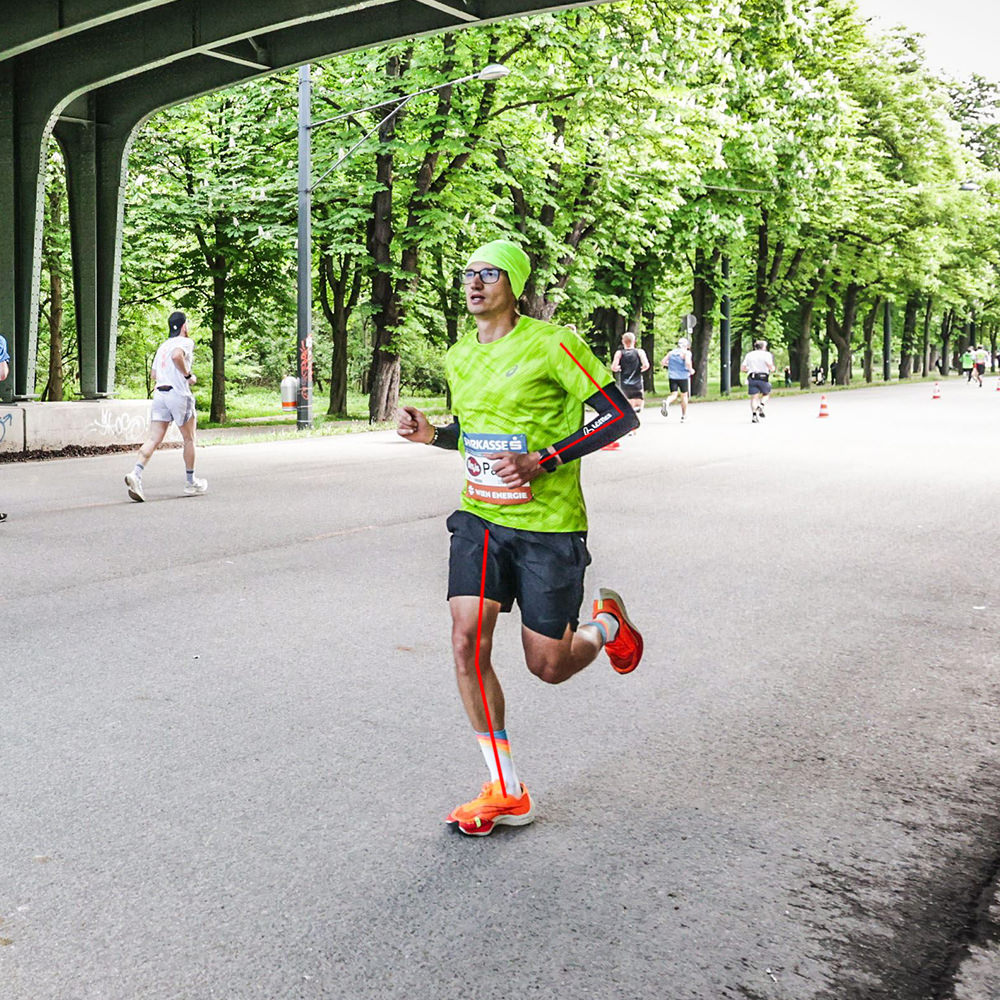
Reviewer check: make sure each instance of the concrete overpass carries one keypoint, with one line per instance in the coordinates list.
(90, 72)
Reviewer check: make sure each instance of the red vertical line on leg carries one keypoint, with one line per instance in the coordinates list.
(479, 673)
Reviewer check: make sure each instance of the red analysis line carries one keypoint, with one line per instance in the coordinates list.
(479, 674)
(599, 389)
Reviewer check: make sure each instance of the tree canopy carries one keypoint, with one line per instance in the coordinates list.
(634, 149)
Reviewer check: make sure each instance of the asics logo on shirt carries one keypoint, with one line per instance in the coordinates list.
(511, 372)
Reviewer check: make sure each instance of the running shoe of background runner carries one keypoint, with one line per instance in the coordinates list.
(196, 488)
(492, 808)
(134, 484)
(625, 651)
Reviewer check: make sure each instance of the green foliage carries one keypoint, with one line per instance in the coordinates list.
(629, 143)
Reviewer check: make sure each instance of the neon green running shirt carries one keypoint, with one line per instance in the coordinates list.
(522, 392)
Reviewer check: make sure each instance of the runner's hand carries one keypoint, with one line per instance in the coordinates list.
(414, 426)
(515, 468)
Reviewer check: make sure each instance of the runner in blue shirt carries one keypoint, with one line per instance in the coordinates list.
(680, 368)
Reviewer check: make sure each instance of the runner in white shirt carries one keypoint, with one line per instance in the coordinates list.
(980, 356)
(758, 364)
(173, 401)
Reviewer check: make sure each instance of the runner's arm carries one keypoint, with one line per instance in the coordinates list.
(179, 359)
(615, 418)
(414, 426)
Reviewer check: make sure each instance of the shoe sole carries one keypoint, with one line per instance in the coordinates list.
(606, 594)
(486, 827)
(195, 493)
(133, 495)
(507, 819)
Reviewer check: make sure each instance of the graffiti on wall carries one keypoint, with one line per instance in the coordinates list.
(126, 426)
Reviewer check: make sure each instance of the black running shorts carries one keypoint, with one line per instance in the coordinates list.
(633, 391)
(680, 384)
(541, 570)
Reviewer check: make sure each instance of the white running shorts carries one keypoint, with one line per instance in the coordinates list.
(174, 406)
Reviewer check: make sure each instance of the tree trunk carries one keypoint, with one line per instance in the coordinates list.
(808, 307)
(338, 313)
(947, 322)
(993, 348)
(925, 362)
(841, 334)
(909, 336)
(54, 387)
(758, 311)
(384, 377)
(219, 275)
(649, 346)
(868, 330)
(703, 297)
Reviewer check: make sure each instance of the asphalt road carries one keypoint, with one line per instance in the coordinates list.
(230, 731)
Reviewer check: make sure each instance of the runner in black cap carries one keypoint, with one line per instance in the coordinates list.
(173, 401)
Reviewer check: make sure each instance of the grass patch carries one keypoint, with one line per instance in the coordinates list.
(251, 406)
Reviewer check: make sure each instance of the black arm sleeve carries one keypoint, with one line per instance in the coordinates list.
(615, 418)
(447, 437)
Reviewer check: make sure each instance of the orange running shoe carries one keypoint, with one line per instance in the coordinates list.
(492, 808)
(625, 651)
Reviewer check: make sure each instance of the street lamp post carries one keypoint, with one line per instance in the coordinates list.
(494, 71)
(303, 353)
(725, 327)
(887, 342)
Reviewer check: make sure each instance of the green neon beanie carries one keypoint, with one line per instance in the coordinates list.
(508, 257)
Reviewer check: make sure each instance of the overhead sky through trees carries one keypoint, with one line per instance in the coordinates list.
(960, 36)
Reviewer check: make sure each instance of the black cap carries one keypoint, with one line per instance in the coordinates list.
(174, 324)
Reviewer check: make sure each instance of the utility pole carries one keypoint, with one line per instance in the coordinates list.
(725, 327)
(887, 342)
(304, 351)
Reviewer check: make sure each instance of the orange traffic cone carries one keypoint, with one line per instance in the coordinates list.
(613, 446)
(823, 411)
(937, 391)
(998, 385)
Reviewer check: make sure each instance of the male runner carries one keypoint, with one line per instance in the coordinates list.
(172, 401)
(968, 363)
(4, 372)
(980, 357)
(680, 369)
(631, 362)
(758, 364)
(520, 535)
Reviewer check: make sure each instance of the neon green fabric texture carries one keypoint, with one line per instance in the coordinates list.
(524, 384)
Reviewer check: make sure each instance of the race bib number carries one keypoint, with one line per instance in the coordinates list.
(482, 483)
